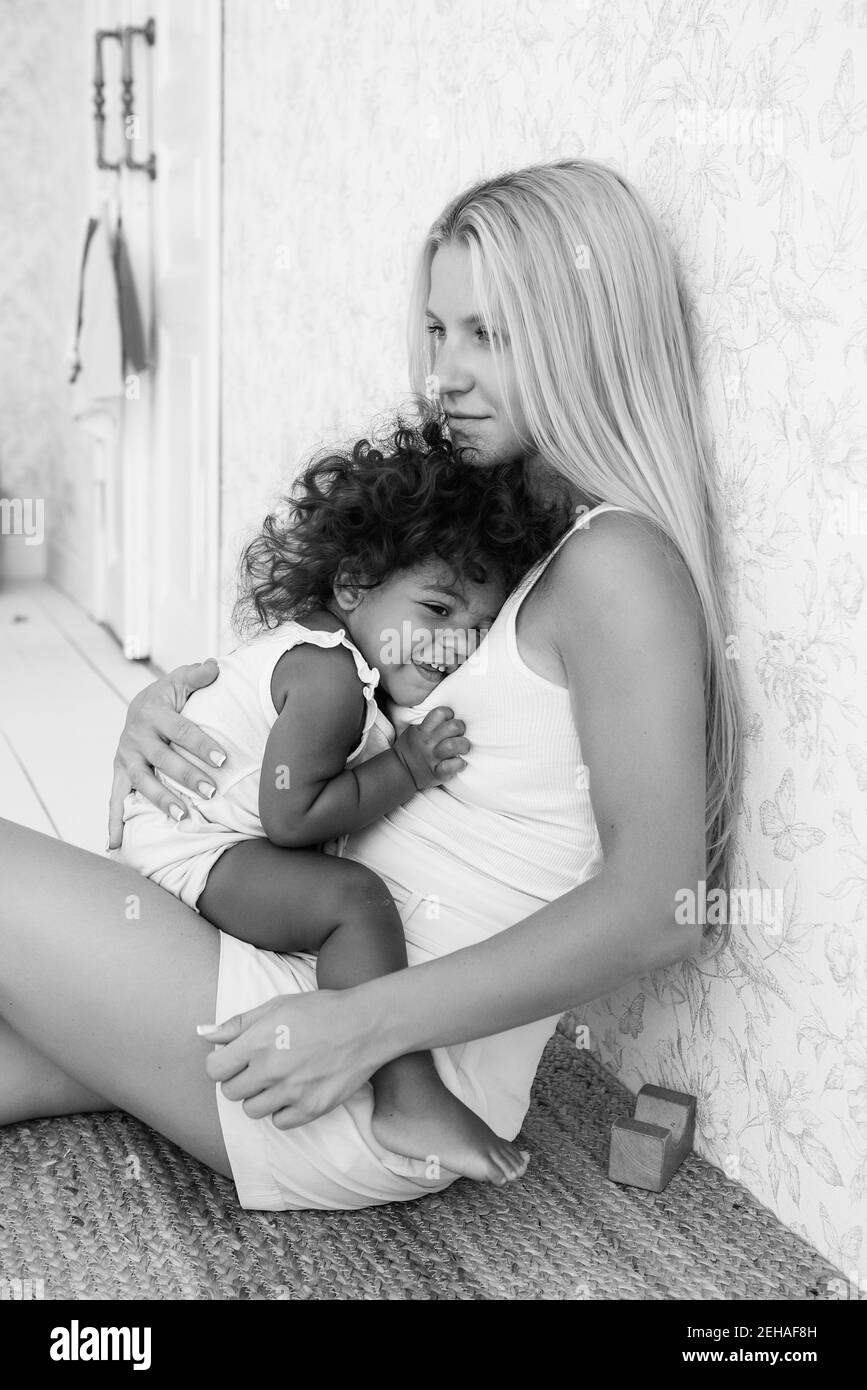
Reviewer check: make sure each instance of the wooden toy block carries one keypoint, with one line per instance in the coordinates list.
(647, 1150)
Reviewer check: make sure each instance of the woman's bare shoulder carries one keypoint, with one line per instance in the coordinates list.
(630, 540)
(622, 563)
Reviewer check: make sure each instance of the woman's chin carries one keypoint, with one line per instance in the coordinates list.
(475, 451)
(484, 452)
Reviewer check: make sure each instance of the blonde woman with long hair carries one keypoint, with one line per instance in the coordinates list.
(602, 761)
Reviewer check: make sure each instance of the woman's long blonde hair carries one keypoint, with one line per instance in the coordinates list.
(569, 260)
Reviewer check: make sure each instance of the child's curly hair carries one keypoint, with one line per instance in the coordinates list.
(384, 511)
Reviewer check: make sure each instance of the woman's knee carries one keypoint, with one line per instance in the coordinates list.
(17, 845)
(28, 870)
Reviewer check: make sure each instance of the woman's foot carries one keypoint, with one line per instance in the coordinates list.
(414, 1114)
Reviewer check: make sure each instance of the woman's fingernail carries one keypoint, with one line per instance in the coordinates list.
(176, 812)
(206, 789)
(204, 1030)
(217, 758)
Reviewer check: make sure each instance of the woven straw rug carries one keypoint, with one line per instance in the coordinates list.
(101, 1207)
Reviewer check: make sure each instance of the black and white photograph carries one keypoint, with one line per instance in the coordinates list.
(433, 718)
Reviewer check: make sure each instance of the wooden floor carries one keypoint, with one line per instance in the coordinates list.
(64, 688)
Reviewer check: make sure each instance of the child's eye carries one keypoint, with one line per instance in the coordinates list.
(438, 608)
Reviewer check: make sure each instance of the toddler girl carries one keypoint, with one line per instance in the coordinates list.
(385, 572)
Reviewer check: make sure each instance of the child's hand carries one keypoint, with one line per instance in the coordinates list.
(430, 751)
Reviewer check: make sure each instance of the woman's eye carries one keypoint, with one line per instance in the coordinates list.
(438, 608)
(490, 335)
(435, 328)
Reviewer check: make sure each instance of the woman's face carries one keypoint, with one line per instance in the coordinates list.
(463, 367)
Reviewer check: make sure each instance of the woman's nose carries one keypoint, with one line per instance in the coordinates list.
(451, 371)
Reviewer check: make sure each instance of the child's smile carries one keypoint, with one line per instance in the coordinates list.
(420, 624)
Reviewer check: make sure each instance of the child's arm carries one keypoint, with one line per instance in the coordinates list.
(306, 794)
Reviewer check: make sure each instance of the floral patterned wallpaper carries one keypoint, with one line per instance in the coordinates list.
(347, 127)
(45, 130)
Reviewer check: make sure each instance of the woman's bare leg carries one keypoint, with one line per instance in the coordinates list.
(106, 975)
(32, 1086)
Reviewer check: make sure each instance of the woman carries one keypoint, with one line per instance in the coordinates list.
(604, 771)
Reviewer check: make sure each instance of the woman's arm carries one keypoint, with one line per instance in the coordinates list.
(623, 618)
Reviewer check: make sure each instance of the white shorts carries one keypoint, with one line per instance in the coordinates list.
(335, 1161)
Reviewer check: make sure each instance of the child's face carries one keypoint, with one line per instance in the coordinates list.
(419, 625)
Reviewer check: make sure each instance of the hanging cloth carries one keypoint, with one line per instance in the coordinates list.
(135, 355)
(109, 334)
(96, 367)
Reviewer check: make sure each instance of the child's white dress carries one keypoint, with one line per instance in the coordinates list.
(238, 711)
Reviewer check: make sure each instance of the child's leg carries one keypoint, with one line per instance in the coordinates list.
(304, 900)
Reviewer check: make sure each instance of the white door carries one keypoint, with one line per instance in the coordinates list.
(187, 124)
(122, 449)
(158, 557)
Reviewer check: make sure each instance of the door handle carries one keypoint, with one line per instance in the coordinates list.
(99, 97)
(148, 33)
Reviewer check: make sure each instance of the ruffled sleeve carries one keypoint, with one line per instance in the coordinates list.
(369, 677)
(295, 635)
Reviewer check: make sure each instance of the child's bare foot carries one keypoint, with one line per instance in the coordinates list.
(414, 1114)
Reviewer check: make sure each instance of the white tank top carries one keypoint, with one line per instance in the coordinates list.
(520, 813)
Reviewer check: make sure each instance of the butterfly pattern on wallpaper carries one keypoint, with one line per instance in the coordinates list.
(777, 819)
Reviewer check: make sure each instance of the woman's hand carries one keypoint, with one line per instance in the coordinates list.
(295, 1057)
(153, 721)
